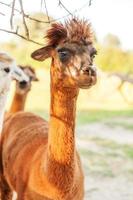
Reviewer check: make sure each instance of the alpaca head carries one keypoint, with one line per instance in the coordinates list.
(22, 87)
(71, 48)
(9, 71)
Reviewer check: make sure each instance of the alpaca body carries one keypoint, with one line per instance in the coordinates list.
(44, 161)
(39, 187)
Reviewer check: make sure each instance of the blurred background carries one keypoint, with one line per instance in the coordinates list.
(105, 112)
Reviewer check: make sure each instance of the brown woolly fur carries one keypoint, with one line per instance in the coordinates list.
(81, 28)
(56, 34)
(73, 31)
(39, 160)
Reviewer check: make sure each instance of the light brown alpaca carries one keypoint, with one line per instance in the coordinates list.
(22, 90)
(41, 163)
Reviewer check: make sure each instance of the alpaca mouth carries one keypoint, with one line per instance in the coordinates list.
(86, 82)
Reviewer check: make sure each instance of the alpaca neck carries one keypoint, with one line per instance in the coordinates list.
(62, 125)
(18, 103)
(61, 140)
(61, 137)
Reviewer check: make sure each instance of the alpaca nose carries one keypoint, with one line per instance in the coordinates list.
(89, 71)
(7, 70)
(23, 84)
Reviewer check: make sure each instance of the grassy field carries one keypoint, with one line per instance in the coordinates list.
(84, 117)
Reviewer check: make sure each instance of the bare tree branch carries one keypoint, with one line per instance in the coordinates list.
(23, 16)
(124, 78)
(79, 9)
(12, 14)
(21, 36)
(37, 20)
(26, 15)
(51, 21)
(90, 2)
(46, 11)
(63, 6)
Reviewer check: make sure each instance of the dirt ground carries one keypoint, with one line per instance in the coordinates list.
(107, 156)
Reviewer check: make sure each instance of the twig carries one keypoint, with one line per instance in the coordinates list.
(24, 22)
(62, 5)
(36, 20)
(21, 12)
(27, 16)
(21, 36)
(51, 21)
(46, 11)
(81, 8)
(90, 2)
(12, 14)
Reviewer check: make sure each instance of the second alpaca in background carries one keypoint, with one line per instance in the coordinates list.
(22, 89)
(8, 71)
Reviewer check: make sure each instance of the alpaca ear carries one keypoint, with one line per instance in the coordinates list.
(35, 78)
(42, 53)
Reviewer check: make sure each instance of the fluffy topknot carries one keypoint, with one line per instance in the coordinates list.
(73, 30)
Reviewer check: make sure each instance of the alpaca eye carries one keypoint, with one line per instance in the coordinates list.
(93, 53)
(93, 56)
(63, 55)
(7, 70)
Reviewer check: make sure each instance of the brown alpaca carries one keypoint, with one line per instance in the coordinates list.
(41, 163)
(22, 90)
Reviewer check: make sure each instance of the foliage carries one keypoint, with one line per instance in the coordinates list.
(111, 57)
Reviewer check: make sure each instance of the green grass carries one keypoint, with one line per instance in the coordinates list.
(108, 159)
(96, 163)
(129, 151)
(115, 147)
(122, 124)
(90, 116)
(84, 117)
